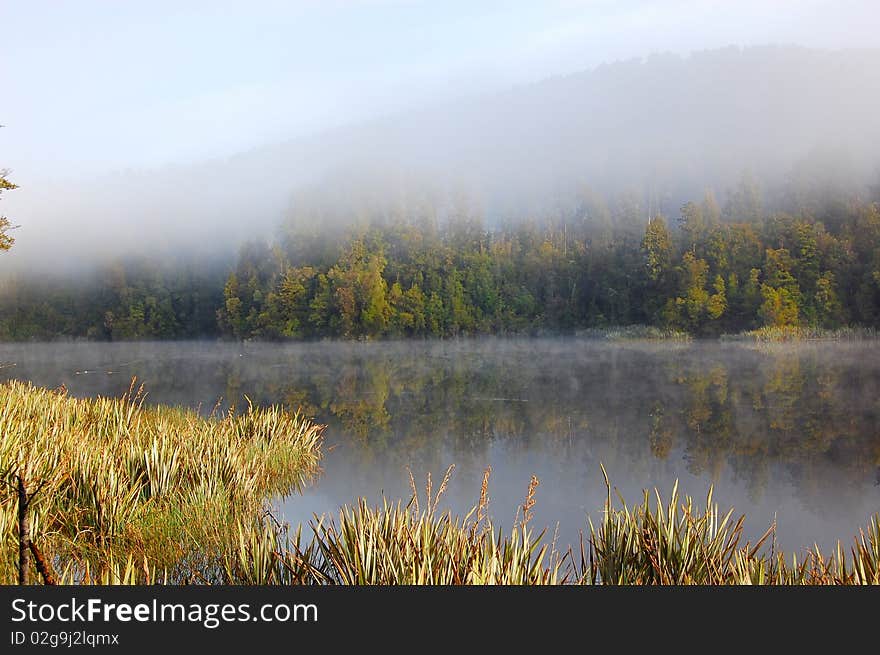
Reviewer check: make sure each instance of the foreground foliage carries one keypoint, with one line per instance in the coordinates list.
(675, 542)
(106, 491)
(114, 491)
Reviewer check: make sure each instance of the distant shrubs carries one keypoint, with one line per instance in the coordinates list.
(635, 333)
(800, 333)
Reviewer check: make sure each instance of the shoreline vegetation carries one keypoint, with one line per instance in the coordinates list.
(110, 491)
(792, 333)
(621, 333)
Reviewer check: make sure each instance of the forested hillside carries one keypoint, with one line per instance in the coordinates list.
(717, 267)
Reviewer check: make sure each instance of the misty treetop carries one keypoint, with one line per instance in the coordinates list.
(126, 299)
(809, 260)
(474, 218)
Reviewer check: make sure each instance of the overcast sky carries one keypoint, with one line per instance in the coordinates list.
(88, 86)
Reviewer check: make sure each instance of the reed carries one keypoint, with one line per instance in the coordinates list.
(634, 333)
(657, 542)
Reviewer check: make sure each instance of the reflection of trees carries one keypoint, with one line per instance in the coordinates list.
(806, 412)
(359, 399)
(808, 409)
(749, 411)
(661, 433)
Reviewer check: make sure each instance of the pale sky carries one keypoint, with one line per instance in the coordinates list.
(89, 86)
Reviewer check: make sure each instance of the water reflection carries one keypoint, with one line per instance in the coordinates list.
(790, 429)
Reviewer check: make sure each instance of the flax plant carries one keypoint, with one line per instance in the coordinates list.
(676, 543)
(416, 544)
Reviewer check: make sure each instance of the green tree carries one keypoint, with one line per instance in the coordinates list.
(717, 303)
(360, 291)
(408, 309)
(691, 303)
(289, 303)
(780, 292)
(458, 314)
(829, 310)
(657, 246)
(658, 249)
(434, 314)
(321, 307)
(230, 316)
(779, 308)
(692, 223)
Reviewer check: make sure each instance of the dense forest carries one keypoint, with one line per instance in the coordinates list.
(717, 267)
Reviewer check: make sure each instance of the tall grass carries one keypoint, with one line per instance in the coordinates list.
(674, 542)
(110, 483)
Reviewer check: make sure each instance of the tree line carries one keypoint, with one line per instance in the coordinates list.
(712, 269)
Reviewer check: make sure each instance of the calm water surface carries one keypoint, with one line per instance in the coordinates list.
(791, 431)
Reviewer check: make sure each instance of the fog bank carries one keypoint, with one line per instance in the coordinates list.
(664, 127)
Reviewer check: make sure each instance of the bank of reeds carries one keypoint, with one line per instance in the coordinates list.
(110, 490)
(400, 544)
(634, 333)
(774, 334)
(658, 542)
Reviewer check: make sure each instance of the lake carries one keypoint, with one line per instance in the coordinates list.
(790, 431)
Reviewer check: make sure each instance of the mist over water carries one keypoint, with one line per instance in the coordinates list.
(790, 431)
